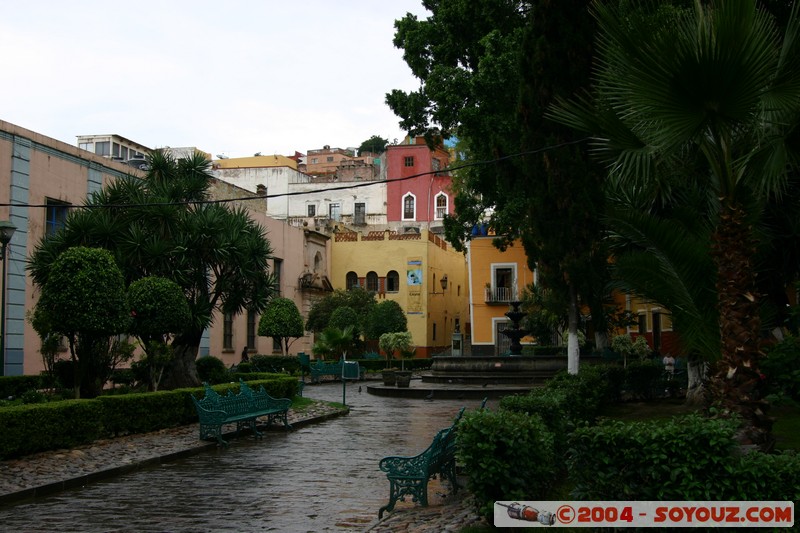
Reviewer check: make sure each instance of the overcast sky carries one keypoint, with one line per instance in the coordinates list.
(229, 77)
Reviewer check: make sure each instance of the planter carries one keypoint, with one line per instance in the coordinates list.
(389, 377)
(403, 378)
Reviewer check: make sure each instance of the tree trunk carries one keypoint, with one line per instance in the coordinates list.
(573, 348)
(737, 384)
(182, 371)
(696, 372)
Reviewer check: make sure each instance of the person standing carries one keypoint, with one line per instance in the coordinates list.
(245, 357)
(669, 365)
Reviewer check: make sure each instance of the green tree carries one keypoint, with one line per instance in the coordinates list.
(83, 298)
(375, 144)
(711, 96)
(385, 317)
(163, 226)
(488, 70)
(159, 309)
(358, 299)
(282, 321)
(345, 316)
(334, 342)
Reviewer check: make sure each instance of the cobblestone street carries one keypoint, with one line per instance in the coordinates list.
(323, 476)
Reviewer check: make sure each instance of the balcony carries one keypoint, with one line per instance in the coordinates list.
(500, 295)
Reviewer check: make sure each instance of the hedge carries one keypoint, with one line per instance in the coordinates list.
(64, 424)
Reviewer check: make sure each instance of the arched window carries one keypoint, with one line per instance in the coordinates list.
(392, 281)
(351, 281)
(441, 206)
(409, 207)
(372, 281)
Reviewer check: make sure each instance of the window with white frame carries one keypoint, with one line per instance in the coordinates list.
(409, 207)
(441, 205)
(504, 282)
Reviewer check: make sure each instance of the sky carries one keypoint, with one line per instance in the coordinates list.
(231, 78)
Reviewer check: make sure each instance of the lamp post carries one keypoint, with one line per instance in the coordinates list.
(7, 230)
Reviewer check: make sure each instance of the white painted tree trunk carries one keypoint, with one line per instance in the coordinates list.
(573, 347)
(696, 372)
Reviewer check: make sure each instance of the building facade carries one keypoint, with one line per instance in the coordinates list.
(419, 271)
(41, 179)
(496, 278)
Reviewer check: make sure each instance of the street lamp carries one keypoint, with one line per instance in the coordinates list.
(7, 230)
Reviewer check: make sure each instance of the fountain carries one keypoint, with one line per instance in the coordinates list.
(515, 333)
(478, 376)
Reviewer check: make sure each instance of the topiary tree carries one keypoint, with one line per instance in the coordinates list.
(83, 298)
(385, 317)
(159, 309)
(282, 321)
(360, 300)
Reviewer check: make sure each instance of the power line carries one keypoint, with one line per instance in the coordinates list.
(302, 193)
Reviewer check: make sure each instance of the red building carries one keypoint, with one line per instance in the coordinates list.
(418, 192)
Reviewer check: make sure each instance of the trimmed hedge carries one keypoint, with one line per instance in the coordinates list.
(508, 455)
(38, 427)
(49, 426)
(687, 458)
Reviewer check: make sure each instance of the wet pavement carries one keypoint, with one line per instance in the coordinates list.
(320, 477)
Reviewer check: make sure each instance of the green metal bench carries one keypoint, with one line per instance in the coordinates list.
(408, 476)
(242, 409)
(320, 369)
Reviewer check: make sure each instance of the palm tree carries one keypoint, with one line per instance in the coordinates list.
(712, 95)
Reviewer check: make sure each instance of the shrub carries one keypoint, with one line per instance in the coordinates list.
(686, 458)
(48, 426)
(17, 385)
(33, 396)
(644, 379)
(507, 455)
(211, 370)
(780, 367)
(549, 405)
(143, 412)
(274, 363)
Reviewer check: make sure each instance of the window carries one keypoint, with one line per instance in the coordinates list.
(227, 331)
(314, 160)
(251, 329)
(312, 210)
(441, 205)
(115, 149)
(329, 159)
(372, 281)
(123, 153)
(436, 164)
(409, 161)
(102, 148)
(434, 331)
(277, 270)
(656, 330)
(504, 280)
(335, 212)
(642, 323)
(351, 281)
(276, 345)
(360, 213)
(55, 216)
(86, 146)
(392, 281)
(409, 207)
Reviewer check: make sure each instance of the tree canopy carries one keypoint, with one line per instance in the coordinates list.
(375, 144)
(282, 321)
(385, 317)
(83, 298)
(489, 69)
(358, 299)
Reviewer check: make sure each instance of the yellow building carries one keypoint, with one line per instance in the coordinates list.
(496, 279)
(420, 271)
